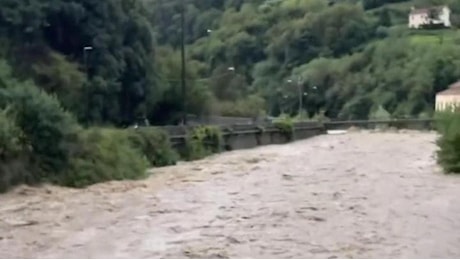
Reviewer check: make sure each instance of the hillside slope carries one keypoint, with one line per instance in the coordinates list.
(342, 53)
(346, 58)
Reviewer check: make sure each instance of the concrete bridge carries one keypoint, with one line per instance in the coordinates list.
(361, 194)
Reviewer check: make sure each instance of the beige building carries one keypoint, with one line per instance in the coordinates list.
(449, 98)
(434, 15)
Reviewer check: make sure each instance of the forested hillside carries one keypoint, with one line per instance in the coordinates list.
(115, 62)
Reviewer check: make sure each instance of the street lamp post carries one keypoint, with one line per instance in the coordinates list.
(86, 49)
(300, 93)
(299, 86)
(85, 56)
(209, 31)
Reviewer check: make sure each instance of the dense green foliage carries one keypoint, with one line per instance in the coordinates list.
(286, 126)
(244, 58)
(155, 145)
(65, 64)
(45, 40)
(448, 126)
(41, 142)
(203, 141)
(349, 57)
(102, 155)
(41, 132)
(12, 171)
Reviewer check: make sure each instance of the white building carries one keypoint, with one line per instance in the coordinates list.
(434, 15)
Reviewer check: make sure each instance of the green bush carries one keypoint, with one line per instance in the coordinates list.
(380, 114)
(43, 132)
(59, 150)
(13, 166)
(47, 129)
(302, 117)
(10, 137)
(103, 155)
(448, 126)
(203, 141)
(286, 126)
(250, 106)
(321, 117)
(155, 145)
(41, 142)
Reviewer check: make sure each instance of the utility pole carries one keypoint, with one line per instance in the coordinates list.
(183, 73)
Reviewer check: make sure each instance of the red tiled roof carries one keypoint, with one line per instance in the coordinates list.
(453, 89)
(455, 85)
(426, 10)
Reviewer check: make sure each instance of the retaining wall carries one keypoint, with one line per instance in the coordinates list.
(244, 136)
(415, 124)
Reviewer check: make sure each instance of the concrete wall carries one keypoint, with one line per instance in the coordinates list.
(415, 124)
(247, 136)
(253, 136)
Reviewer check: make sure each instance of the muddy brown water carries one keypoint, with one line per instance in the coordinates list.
(360, 195)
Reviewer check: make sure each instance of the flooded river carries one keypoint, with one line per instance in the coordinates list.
(359, 195)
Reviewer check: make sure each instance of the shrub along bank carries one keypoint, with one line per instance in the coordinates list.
(93, 155)
(203, 141)
(41, 142)
(448, 126)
